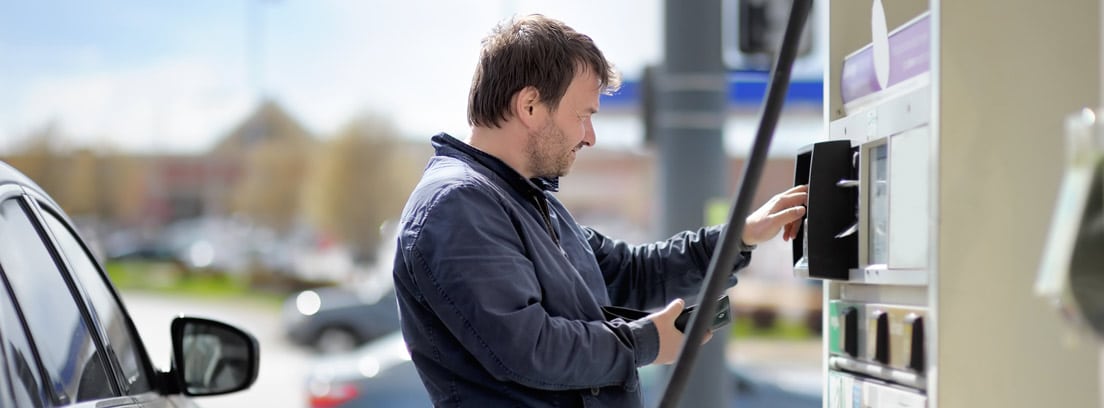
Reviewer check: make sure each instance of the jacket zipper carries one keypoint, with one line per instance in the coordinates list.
(543, 207)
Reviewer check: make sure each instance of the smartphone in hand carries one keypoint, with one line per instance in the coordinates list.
(722, 315)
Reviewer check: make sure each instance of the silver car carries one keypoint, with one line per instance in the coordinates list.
(66, 338)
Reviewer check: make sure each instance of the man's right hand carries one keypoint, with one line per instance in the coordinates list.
(670, 338)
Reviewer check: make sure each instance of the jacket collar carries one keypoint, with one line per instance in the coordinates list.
(446, 145)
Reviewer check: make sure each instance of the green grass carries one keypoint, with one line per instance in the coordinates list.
(781, 330)
(171, 279)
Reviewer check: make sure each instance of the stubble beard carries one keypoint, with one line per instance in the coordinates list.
(547, 157)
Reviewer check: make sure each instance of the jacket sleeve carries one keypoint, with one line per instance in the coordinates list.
(650, 275)
(469, 264)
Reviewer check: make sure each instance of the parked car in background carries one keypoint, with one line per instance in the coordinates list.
(380, 374)
(66, 338)
(340, 318)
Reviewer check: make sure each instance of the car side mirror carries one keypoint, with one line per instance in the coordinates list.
(211, 357)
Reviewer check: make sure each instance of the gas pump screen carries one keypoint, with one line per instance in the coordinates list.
(878, 200)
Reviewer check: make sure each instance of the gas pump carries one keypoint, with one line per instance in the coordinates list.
(1071, 274)
(929, 201)
(866, 229)
(924, 199)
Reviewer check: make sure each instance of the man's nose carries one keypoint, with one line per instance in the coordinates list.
(589, 138)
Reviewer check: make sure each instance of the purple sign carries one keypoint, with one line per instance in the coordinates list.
(858, 79)
(910, 51)
(909, 56)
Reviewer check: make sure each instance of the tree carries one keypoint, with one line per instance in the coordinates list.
(122, 181)
(39, 159)
(359, 180)
(85, 182)
(275, 149)
(269, 191)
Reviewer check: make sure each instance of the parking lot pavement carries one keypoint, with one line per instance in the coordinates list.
(788, 363)
(789, 352)
(794, 364)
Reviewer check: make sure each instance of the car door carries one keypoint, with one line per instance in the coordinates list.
(121, 341)
(66, 358)
(20, 378)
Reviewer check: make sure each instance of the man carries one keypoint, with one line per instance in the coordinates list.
(499, 290)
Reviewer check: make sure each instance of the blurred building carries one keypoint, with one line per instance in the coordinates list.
(188, 186)
(261, 168)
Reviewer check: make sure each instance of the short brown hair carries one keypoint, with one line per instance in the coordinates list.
(536, 51)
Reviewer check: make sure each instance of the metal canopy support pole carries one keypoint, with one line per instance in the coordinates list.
(690, 89)
(727, 253)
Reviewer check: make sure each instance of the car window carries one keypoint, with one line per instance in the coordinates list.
(120, 336)
(74, 368)
(22, 370)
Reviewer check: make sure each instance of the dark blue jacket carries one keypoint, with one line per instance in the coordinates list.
(500, 291)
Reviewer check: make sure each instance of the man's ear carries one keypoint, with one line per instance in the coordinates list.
(528, 108)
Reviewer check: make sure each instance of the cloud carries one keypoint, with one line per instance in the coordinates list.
(413, 60)
(410, 61)
(178, 104)
(326, 62)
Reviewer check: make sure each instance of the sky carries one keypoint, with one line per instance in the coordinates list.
(175, 76)
(142, 76)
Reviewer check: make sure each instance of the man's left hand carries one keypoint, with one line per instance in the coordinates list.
(783, 211)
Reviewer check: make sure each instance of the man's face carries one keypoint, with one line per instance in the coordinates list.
(552, 148)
